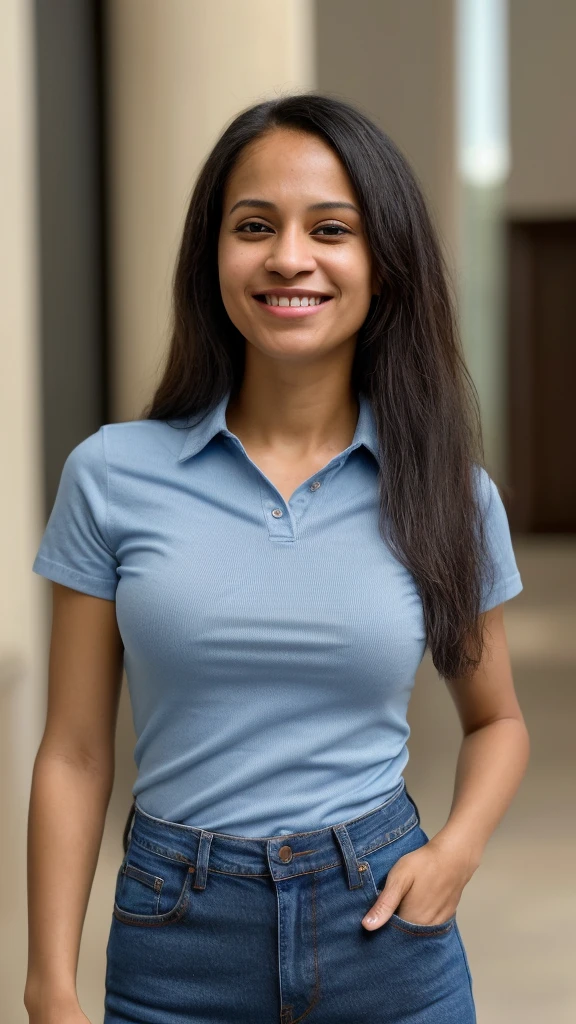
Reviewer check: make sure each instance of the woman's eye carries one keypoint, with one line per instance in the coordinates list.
(332, 228)
(254, 227)
(253, 224)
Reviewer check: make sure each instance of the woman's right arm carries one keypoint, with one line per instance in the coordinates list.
(71, 787)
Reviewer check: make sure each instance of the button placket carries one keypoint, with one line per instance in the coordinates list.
(281, 524)
(282, 521)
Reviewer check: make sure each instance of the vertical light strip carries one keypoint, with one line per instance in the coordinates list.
(302, 44)
(482, 92)
(483, 158)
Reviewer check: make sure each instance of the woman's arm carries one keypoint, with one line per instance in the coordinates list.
(495, 748)
(427, 883)
(71, 786)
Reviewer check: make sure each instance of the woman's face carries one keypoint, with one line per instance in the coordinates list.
(294, 264)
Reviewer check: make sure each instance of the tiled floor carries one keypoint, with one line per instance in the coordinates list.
(517, 912)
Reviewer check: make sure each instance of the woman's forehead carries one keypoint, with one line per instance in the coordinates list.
(291, 163)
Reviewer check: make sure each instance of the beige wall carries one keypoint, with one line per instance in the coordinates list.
(23, 604)
(542, 108)
(178, 72)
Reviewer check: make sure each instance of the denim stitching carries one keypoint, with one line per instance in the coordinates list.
(157, 921)
(467, 966)
(396, 833)
(316, 992)
(162, 851)
(408, 931)
(146, 877)
(172, 855)
(286, 1011)
(153, 882)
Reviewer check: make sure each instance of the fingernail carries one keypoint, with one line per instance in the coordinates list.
(370, 919)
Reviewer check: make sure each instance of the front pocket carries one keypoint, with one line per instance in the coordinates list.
(376, 867)
(151, 889)
(149, 902)
(411, 928)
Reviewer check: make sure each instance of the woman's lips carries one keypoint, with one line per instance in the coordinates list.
(289, 312)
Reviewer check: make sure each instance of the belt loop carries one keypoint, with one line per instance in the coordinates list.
(201, 872)
(355, 880)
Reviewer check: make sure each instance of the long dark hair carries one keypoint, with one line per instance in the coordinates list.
(408, 361)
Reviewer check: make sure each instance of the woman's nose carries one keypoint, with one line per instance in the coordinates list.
(290, 253)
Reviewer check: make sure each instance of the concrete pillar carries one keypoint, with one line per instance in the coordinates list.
(22, 597)
(178, 72)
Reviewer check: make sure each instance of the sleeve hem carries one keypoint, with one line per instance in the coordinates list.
(58, 573)
(505, 590)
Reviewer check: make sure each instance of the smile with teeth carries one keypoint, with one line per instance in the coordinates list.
(304, 300)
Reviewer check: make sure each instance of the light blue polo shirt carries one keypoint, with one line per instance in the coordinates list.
(270, 646)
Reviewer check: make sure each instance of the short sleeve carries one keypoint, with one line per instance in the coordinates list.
(501, 579)
(76, 549)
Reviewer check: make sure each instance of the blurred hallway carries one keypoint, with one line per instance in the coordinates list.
(517, 911)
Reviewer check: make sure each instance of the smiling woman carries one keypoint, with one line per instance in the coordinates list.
(300, 512)
(306, 228)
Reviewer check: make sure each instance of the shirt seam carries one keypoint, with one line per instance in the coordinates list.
(106, 516)
(75, 572)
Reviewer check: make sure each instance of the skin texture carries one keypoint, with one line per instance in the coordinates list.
(296, 408)
(71, 786)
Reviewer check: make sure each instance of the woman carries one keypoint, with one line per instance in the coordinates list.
(299, 513)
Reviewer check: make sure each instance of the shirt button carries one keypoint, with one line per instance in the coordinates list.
(315, 485)
(277, 512)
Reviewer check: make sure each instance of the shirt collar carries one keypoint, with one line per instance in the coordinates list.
(214, 422)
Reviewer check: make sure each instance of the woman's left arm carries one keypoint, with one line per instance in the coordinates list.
(491, 763)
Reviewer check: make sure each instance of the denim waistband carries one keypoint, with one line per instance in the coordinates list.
(279, 856)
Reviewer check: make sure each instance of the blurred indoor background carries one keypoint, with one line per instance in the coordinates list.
(108, 108)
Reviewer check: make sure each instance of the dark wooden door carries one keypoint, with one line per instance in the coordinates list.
(542, 375)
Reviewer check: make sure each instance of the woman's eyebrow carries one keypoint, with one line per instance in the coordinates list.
(265, 204)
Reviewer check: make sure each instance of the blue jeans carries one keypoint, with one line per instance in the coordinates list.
(221, 929)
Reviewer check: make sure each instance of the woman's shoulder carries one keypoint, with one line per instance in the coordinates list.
(486, 493)
(138, 441)
(127, 449)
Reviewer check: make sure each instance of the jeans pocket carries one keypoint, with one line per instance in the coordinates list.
(377, 865)
(413, 928)
(151, 889)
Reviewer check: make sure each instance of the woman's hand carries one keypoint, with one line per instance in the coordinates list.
(424, 886)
